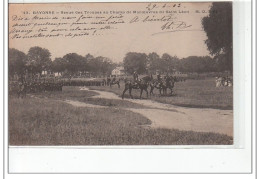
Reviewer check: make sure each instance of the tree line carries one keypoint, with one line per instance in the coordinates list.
(153, 63)
(38, 60)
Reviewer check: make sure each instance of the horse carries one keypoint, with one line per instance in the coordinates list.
(141, 84)
(166, 82)
(116, 82)
(155, 84)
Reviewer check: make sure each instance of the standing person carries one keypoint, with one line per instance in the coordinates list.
(108, 80)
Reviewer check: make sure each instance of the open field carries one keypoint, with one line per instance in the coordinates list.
(79, 116)
(192, 93)
(41, 121)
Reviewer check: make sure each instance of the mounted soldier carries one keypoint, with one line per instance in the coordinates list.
(167, 79)
(135, 75)
(114, 79)
(159, 78)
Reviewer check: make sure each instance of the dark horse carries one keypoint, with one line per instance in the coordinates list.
(155, 84)
(142, 84)
(167, 82)
(116, 82)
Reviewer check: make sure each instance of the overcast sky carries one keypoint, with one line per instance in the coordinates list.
(134, 37)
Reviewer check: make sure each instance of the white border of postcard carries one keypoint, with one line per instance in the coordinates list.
(150, 159)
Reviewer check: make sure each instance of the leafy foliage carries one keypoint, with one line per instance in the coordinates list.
(17, 62)
(38, 59)
(135, 62)
(198, 64)
(218, 27)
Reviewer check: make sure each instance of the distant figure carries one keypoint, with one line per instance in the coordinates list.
(228, 82)
(21, 89)
(151, 76)
(108, 80)
(159, 77)
(167, 79)
(220, 81)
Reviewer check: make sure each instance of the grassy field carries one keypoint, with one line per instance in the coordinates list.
(44, 118)
(192, 93)
(74, 93)
(41, 121)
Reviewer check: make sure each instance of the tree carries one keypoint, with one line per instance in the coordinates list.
(74, 62)
(169, 63)
(107, 66)
(135, 62)
(221, 63)
(218, 27)
(58, 65)
(16, 62)
(153, 62)
(198, 64)
(38, 60)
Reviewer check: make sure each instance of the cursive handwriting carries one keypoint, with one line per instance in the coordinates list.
(73, 24)
(175, 25)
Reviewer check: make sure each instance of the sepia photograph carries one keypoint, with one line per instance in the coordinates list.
(113, 74)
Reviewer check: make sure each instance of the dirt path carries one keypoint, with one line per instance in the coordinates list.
(81, 104)
(175, 117)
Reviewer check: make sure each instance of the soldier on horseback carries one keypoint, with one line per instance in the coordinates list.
(159, 78)
(114, 79)
(135, 75)
(167, 79)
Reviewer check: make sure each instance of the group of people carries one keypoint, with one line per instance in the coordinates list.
(110, 80)
(160, 79)
(223, 81)
(22, 87)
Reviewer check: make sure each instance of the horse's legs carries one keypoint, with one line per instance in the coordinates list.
(146, 92)
(171, 90)
(118, 85)
(151, 90)
(141, 93)
(130, 92)
(124, 92)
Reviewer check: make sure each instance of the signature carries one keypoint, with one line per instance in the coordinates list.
(175, 25)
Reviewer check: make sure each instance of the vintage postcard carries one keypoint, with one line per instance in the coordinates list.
(106, 74)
